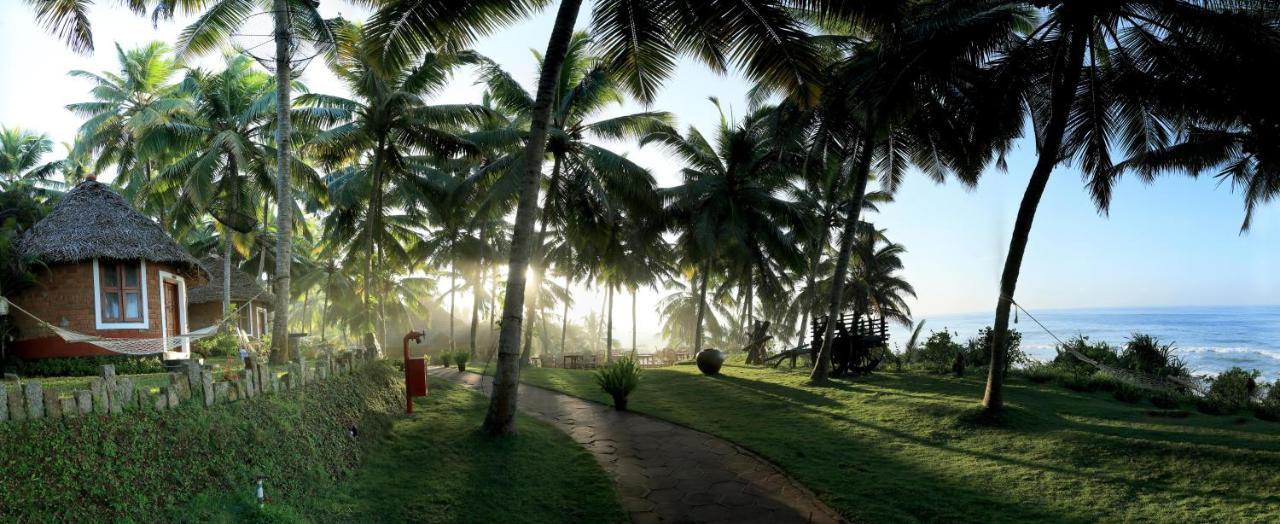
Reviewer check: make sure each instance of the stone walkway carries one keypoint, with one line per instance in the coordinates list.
(669, 473)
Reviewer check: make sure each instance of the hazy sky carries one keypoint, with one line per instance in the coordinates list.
(1174, 242)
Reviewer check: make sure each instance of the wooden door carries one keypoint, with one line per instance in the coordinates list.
(172, 309)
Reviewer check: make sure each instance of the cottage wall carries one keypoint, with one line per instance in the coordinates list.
(63, 296)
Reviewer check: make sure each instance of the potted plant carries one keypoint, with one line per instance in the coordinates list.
(446, 359)
(460, 358)
(619, 378)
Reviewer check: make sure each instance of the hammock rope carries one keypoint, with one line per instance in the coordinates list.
(1136, 379)
(139, 346)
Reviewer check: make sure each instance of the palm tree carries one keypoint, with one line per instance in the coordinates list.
(384, 122)
(641, 41)
(294, 21)
(909, 99)
(20, 154)
(1082, 105)
(729, 210)
(581, 171)
(225, 168)
(125, 104)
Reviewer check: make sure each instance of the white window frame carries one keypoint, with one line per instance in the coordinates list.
(97, 302)
(182, 315)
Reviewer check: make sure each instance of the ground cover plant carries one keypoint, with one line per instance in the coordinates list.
(1056, 456)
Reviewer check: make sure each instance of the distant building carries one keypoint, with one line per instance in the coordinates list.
(204, 303)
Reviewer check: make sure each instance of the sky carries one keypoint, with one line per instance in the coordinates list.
(1173, 242)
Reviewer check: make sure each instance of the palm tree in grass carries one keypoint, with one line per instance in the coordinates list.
(225, 168)
(21, 153)
(641, 41)
(385, 121)
(876, 285)
(911, 77)
(584, 88)
(729, 210)
(125, 103)
(294, 21)
(1083, 105)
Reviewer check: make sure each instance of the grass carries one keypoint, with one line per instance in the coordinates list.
(65, 385)
(437, 467)
(907, 446)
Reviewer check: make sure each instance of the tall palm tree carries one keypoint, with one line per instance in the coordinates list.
(911, 76)
(294, 21)
(584, 88)
(1082, 105)
(125, 104)
(641, 40)
(225, 168)
(385, 121)
(729, 209)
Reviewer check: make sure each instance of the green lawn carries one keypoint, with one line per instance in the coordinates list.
(65, 385)
(436, 467)
(901, 447)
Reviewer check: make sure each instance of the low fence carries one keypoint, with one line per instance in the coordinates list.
(111, 394)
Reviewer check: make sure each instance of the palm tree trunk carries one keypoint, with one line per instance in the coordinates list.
(500, 419)
(284, 195)
(633, 322)
(262, 259)
(564, 319)
(382, 284)
(853, 210)
(226, 276)
(476, 299)
(1063, 98)
(702, 306)
(539, 263)
(815, 256)
(608, 334)
(453, 284)
(324, 312)
(374, 213)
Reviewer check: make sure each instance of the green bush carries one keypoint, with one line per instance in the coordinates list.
(619, 378)
(1166, 400)
(460, 359)
(1232, 390)
(148, 466)
(446, 359)
(939, 352)
(89, 366)
(977, 351)
(1268, 407)
(1127, 393)
(1040, 372)
(1145, 354)
(219, 345)
(1100, 352)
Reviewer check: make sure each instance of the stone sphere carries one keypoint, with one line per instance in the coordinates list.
(710, 360)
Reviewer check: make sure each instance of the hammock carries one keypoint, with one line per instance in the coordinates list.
(136, 346)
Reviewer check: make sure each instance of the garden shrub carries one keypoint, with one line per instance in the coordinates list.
(460, 359)
(619, 378)
(1166, 400)
(1100, 352)
(446, 359)
(1039, 372)
(89, 366)
(1268, 407)
(1231, 391)
(1145, 354)
(939, 352)
(219, 345)
(148, 466)
(1128, 393)
(977, 351)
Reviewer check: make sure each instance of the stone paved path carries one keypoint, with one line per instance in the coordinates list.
(669, 473)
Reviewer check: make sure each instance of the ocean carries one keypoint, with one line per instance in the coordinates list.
(1208, 339)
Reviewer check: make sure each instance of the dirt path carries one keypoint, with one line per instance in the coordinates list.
(668, 473)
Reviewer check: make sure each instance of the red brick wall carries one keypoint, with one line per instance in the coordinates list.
(63, 296)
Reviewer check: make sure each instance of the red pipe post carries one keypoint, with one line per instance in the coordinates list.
(410, 368)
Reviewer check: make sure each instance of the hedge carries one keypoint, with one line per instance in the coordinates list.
(146, 465)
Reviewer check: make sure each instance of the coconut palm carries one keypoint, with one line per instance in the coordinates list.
(385, 121)
(294, 21)
(728, 210)
(1085, 101)
(21, 152)
(606, 180)
(125, 104)
(641, 41)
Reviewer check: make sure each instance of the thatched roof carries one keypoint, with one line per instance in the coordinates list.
(92, 221)
(243, 286)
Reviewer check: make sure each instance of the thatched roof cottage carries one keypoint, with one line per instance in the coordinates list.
(103, 269)
(204, 303)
